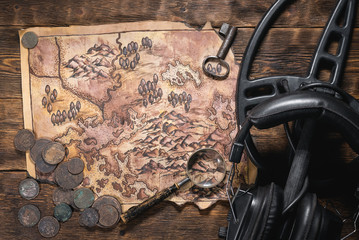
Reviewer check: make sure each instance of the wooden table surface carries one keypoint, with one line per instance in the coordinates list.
(287, 49)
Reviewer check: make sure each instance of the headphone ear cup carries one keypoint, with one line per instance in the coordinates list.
(295, 228)
(330, 226)
(274, 214)
(305, 216)
(313, 222)
(265, 211)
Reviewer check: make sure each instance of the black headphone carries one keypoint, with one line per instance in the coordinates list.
(269, 212)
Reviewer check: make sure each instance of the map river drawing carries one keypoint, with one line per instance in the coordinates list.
(132, 104)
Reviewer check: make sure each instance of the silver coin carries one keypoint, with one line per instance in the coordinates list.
(29, 40)
(29, 188)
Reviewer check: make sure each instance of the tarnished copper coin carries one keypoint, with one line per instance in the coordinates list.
(62, 212)
(65, 179)
(29, 188)
(83, 198)
(29, 215)
(36, 150)
(24, 140)
(43, 166)
(108, 216)
(89, 217)
(29, 40)
(53, 153)
(63, 196)
(105, 200)
(48, 226)
(75, 165)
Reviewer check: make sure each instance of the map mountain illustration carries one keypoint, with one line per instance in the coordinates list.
(145, 107)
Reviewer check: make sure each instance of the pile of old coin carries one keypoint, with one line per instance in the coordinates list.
(29, 215)
(48, 157)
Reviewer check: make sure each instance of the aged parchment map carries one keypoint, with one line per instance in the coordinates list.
(132, 102)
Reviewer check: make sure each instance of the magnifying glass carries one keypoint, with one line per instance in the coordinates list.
(205, 168)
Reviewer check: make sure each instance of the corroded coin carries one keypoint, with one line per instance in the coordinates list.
(65, 179)
(106, 199)
(29, 215)
(75, 165)
(63, 196)
(24, 140)
(89, 217)
(108, 216)
(53, 153)
(29, 188)
(36, 150)
(83, 198)
(48, 226)
(29, 40)
(62, 212)
(43, 166)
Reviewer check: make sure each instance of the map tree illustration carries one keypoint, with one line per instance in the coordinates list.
(132, 103)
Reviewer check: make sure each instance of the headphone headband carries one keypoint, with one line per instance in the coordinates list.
(300, 105)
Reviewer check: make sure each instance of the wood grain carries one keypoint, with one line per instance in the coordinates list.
(303, 13)
(287, 49)
(284, 51)
(11, 121)
(163, 221)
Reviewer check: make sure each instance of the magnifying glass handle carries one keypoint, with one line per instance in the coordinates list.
(157, 198)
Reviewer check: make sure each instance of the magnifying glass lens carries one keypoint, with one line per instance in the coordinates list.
(206, 168)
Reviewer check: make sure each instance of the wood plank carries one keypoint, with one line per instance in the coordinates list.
(11, 121)
(290, 51)
(287, 50)
(11, 159)
(303, 13)
(284, 51)
(164, 221)
(10, 70)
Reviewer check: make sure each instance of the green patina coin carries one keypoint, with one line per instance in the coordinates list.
(62, 212)
(83, 198)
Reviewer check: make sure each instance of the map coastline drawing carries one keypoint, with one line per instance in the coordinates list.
(132, 102)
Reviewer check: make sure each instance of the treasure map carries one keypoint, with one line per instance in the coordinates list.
(131, 100)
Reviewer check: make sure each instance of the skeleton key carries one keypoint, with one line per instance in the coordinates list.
(229, 33)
